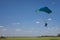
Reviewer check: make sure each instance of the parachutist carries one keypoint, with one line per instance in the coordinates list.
(45, 24)
(44, 9)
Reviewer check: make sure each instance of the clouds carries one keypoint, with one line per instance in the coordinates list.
(14, 25)
(5, 29)
(28, 31)
(53, 3)
(17, 23)
(37, 22)
(18, 30)
(1, 26)
(41, 31)
(50, 31)
(49, 19)
(31, 31)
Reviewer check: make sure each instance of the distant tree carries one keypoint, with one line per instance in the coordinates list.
(2, 37)
(58, 35)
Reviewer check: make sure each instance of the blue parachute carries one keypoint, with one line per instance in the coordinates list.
(44, 9)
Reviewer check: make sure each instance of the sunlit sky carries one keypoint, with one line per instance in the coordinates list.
(18, 18)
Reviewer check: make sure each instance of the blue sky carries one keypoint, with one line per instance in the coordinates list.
(18, 18)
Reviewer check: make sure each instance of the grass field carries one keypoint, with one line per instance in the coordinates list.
(41, 38)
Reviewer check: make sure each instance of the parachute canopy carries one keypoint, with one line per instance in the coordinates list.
(44, 9)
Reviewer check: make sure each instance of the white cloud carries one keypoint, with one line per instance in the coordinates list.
(18, 29)
(1, 26)
(53, 3)
(49, 19)
(50, 31)
(32, 30)
(28, 31)
(4, 29)
(37, 22)
(16, 23)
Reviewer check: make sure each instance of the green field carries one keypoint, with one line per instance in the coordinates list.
(41, 38)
